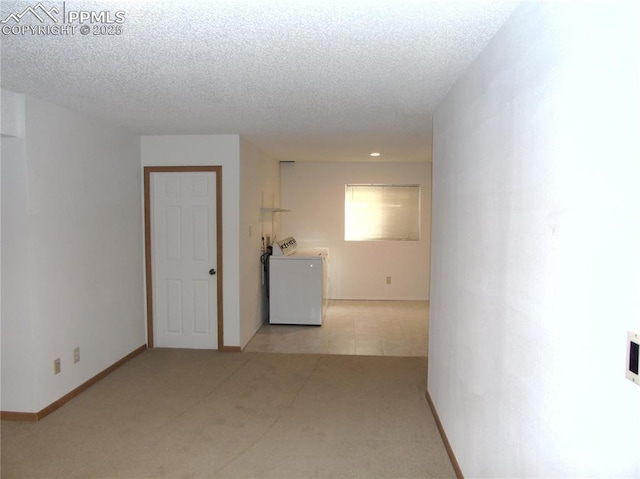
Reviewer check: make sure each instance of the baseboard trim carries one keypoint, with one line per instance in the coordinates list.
(447, 445)
(231, 349)
(36, 416)
(19, 416)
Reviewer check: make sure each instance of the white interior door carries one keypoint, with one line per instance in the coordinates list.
(183, 244)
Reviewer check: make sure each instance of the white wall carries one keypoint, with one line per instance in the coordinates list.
(74, 260)
(260, 184)
(15, 321)
(357, 270)
(536, 258)
(211, 150)
(12, 108)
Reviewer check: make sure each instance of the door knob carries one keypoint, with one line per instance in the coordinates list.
(212, 271)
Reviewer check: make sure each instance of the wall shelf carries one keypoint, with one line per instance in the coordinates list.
(273, 210)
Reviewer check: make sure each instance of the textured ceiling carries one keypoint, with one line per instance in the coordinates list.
(304, 80)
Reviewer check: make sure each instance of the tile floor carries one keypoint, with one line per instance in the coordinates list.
(371, 328)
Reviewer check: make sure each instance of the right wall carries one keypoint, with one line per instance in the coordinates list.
(535, 276)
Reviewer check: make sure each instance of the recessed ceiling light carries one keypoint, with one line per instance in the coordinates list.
(374, 154)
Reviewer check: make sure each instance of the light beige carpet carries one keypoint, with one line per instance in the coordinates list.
(190, 414)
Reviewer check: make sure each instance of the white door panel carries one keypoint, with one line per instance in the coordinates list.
(183, 225)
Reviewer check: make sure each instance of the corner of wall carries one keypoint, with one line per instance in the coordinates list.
(12, 107)
(259, 181)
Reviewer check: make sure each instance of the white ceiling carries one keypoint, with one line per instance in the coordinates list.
(304, 79)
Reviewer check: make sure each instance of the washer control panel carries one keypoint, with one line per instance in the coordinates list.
(285, 247)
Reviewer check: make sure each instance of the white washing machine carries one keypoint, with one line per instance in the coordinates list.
(297, 284)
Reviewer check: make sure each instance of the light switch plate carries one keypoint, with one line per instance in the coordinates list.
(633, 357)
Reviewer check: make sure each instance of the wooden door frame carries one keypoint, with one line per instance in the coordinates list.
(147, 241)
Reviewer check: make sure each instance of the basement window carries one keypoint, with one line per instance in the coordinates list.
(382, 213)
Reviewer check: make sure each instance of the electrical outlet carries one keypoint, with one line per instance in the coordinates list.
(56, 366)
(76, 355)
(633, 357)
(388, 279)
